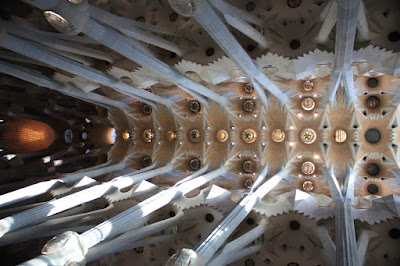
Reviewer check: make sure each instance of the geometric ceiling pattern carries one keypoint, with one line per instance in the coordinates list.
(244, 132)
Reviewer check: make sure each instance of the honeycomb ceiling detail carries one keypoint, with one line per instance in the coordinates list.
(243, 132)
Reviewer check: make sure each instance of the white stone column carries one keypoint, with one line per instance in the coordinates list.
(328, 15)
(232, 248)
(210, 21)
(362, 24)
(124, 220)
(53, 207)
(346, 247)
(131, 30)
(122, 242)
(117, 223)
(347, 15)
(329, 248)
(54, 226)
(241, 253)
(334, 82)
(117, 43)
(53, 252)
(117, 21)
(53, 42)
(345, 236)
(40, 54)
(43, 187)
(40, 80)
(362, 245)
(213, 241)
(240, 20)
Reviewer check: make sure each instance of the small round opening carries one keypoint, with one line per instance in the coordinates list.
(372, 189)
(194, 135)
(250, 6)
(294, 225)
(248, 166)
(248, 106)
(171, 252)
(248, 183)
(210, 51)
(171, 214)
(293, 3)
(173, 17)
(194, 164)
(295, 44)
(394, 233)
(373, 102)
(249, 262)
(209, 217)
(372, 136)
(250, 221)
(139, 249)
(195, 107)
(248, 88)
(372, 82)
(394, 36)
(146, 109)
(373, 169)
(147, 161)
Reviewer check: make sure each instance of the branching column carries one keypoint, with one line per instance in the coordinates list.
(235, 249)
(208, 246)
(210, 21)
(39, 213)
(346, 246)
(43, 187)
(125, 219)
(43, 55)
(79, 16)
(347, 14)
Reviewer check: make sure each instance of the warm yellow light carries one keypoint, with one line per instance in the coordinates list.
(126, 135)
(222, 135)
(278, 135)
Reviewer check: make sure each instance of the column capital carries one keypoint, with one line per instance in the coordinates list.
(184, 257)
(69, 17)
(185, 8)
(66, 249)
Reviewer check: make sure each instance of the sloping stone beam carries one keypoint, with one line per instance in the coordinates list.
(125, 219)
(43, 187)
(229, 253)
(213, 241)
(329, 17)
(347, 14)
(39, 213)
(79, 17)
(27, 48)
(346, 245)
(43, 81)
(210, 21)
(121, 243)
